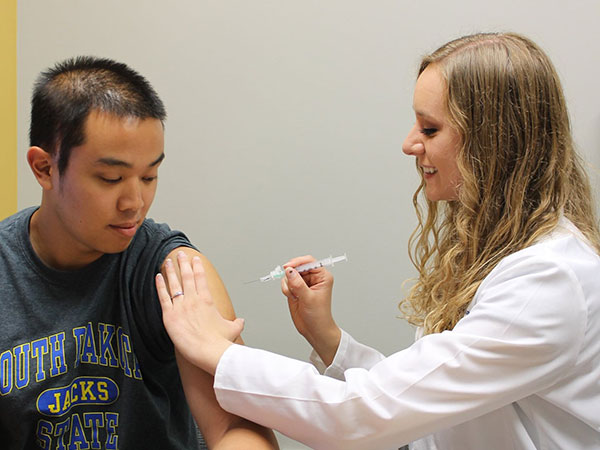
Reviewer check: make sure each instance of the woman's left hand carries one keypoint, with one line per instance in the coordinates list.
(195, 326)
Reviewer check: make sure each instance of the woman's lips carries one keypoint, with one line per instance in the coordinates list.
(428, 172)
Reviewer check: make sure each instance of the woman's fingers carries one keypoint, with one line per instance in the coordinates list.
(286, 291)
(163, 293)
(174, 285)
(295, 262)
(296, 285)
(200, 279)
(187, 275)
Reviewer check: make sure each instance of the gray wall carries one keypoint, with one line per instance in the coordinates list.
(286, 120)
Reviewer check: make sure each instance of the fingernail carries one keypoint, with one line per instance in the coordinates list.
(180, 253)
(168, 262)
(291, 273)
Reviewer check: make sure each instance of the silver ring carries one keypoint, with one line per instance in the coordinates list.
(176, 294)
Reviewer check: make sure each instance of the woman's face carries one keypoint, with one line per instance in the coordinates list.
(432, 140)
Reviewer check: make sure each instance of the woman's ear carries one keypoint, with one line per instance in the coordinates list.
(41, 165)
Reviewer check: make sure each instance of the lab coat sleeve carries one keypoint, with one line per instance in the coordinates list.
(350, 354)
(522, 334)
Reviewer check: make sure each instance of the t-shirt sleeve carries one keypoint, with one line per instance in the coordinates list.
(144, 257)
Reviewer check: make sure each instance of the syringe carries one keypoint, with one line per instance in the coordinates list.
(279, 271)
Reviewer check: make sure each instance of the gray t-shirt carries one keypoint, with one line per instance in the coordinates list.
(85, 362)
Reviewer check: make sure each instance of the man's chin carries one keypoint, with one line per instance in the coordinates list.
(117, 247)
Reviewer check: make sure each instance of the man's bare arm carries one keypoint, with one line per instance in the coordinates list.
(220, 429)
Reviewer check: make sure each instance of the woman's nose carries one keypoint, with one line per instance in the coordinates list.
(412, 145)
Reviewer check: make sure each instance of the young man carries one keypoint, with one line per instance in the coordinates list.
(85, 362)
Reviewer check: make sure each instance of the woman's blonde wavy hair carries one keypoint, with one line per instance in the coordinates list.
(519, 170)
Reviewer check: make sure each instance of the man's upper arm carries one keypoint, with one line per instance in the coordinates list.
(214, 422)
(215, 284)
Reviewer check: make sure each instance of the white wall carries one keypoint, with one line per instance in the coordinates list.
(285, 126)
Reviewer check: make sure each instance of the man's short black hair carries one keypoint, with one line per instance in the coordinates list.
(67, 93)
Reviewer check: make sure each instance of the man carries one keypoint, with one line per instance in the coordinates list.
(85, 362)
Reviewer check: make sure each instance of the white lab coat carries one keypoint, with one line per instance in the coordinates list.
(520, 371)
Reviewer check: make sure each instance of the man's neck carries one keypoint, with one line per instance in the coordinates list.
(53, 251)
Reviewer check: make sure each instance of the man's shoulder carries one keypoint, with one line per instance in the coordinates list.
(151, 230)
(153, 236)
(151, 225)
(17, 218)
(12, 227)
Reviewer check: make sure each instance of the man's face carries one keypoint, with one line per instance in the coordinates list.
(103, 195)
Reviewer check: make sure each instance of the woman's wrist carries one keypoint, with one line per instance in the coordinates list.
(212, 355)
(327, 343)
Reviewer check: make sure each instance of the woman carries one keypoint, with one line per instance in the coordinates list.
(508, 295)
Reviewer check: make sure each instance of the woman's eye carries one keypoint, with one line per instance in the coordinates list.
(428, 131)
(149, 179)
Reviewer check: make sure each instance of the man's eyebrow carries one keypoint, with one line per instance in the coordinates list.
(158, 160)
(113, 162)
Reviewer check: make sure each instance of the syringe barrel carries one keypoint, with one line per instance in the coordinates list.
(278, 271)
(325, 262)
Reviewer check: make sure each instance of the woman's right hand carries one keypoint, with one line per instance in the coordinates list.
(190, 315)
(309, 301)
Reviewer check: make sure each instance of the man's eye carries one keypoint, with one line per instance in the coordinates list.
(149, 179)
(428, 131)
(110, 180)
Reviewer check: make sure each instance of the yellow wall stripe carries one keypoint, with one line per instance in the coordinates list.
(8, 108)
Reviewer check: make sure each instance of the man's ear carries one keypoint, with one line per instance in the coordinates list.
(41, 165)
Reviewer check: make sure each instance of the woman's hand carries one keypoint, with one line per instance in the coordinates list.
(190, 317)
(309, 301)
